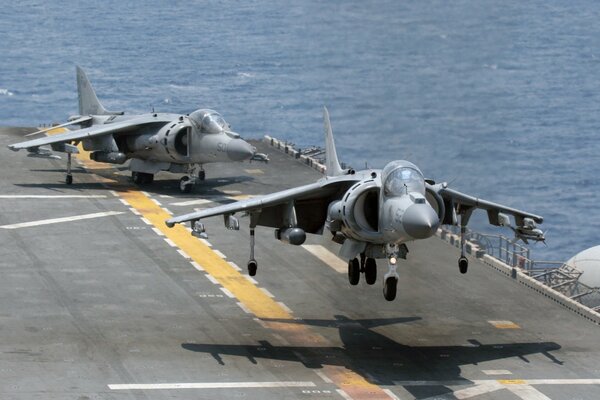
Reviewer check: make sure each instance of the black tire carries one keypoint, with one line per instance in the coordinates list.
(184, 186)
(148, 179)
(69, 180)
(370, 271)
(389, 288)
(252, 267)
(202, 175)
(353, 271)
(463, 265)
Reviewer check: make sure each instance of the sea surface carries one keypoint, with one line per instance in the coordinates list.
(500, 98)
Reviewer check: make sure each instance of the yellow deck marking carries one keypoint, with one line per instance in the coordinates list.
(512, 382)
(252, 298)
(504, 325)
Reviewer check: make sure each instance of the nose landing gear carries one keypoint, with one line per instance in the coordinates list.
(195, 174)
(390, 280)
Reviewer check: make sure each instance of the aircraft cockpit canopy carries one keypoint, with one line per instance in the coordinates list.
(209, 121)
(404, 180)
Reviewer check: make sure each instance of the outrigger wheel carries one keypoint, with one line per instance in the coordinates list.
(389, 288)
(69, 179)
(463, 264)
(252, 267)
(353, 271)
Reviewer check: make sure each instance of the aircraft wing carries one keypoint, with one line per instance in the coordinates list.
(462, 201)
(94, 131)
(310, 202)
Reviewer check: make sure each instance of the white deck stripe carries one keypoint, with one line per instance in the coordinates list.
(323, 376)
(234, 265)
(191, 202)
(344, 394)
(526, 392)
(562, 381)
(217, 252)
(184, 254)
(227, 293)
(59, 220)
(496, 372)
(327, 257)
(211, 385)
(53, 196)
(197, 266)
(157, 231)
(265, 291)
(124, 202)
(478, 389)
(244, 308)
(391, 394)
(212, 279)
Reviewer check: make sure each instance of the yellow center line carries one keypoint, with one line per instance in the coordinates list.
(250, 295)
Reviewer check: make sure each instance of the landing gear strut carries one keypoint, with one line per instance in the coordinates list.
(463, 262)
(195, 174)
(252, 264)
(69, 178)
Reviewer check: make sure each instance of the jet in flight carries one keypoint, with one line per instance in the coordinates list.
(153, 142)
(372, 213)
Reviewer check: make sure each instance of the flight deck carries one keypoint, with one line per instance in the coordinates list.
(100, 300)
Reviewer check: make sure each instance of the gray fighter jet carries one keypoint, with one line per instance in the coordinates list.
(154, 142)
(371, 213)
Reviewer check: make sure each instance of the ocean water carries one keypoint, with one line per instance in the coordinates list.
(502, 99)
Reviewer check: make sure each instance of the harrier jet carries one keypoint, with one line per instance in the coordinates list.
(153, 142)
(371, 213)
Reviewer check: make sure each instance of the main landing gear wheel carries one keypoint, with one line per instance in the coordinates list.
(185, 186)
(353, 271)
(142, 178)
(202, 175)
(389, 288)
(463, 264)
(370, 271)
(69, 179)
(252, 267)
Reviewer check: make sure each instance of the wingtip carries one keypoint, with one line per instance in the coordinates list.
(169, 223)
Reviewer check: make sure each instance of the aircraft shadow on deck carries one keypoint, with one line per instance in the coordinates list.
(379, 359)
(167, 186)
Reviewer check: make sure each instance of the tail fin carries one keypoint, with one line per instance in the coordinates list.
(331, 161)
(88, 102)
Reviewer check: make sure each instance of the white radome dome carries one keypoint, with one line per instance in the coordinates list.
(588, 262)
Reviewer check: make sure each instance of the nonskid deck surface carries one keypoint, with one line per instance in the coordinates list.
(100, 300)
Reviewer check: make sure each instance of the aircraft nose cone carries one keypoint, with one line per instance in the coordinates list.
(420, 221)
(238, 150)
